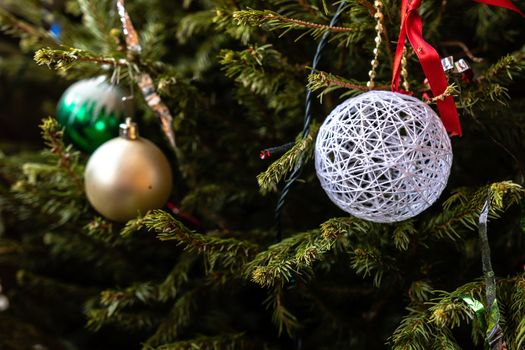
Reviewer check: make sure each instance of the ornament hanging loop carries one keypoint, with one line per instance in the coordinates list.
(129, 98)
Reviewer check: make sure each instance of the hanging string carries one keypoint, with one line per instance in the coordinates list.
(306, 125)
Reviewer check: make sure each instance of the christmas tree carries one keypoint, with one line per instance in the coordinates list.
(241, 248)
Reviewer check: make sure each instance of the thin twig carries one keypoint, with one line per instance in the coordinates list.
(387, 46)
(25, 27)
(309, 24)
(306, 6)
(57, 148)
(102, 60)
(465, 49)
(449, 91)
(371, 9)
(329, 82)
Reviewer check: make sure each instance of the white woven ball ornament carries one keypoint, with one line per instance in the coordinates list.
(383, 156)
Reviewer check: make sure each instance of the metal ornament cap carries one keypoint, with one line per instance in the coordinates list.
(129, 130)
(125, 177)
(383, 156)
(461, 66)
(448, 63)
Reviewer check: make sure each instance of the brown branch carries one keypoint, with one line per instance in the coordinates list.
(307, 7)
(64, 157)
(449, 91)
(25, 27)
(371, 10)
(8, 250)
(330, 82)
(387, 46)
(309, 24)
(102, 60)
(370, 7)
(465, 49)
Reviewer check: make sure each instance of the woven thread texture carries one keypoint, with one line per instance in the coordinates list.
(383, 156)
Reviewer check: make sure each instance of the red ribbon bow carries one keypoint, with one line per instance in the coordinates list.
(412, 27)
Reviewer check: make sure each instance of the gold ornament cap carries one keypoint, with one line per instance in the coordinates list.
(129, 130)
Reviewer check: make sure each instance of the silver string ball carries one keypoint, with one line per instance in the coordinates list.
(125, 177)
(383, 156)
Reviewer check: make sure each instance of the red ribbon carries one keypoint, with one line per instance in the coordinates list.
(507, 4)
(412, 27)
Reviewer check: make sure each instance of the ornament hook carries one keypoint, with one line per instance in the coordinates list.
(129, 130)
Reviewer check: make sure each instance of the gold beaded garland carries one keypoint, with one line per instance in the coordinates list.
(378, 15)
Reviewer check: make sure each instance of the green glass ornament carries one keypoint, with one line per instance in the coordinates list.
(90, 112)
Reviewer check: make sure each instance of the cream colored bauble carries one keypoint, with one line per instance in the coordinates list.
(127, 176)
(383, 156)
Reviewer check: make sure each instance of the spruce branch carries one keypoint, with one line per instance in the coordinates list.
(338, 228)
(276, 21)
(102, 231)
(290, 258)
(136, 321)
(463, 207)
(19, 28)
(281, 316)
(368, 5)
(50, 287)
(368, 261)
(115, 301)
(413, 333)
(520, 334)
(93, 18)
(62, 60)
(451, 90)
(504, 69)
(402, 234)
(301, 151)
(518, 307)
(67, 159)
(229, 252)
(8, 247)
(236, 341)
(224, 22)
(264, 71)
(178, 318)
(492, 84)
(419, 329)
(193, 24)
(60, 244)
(330, 82)
(420, 291)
